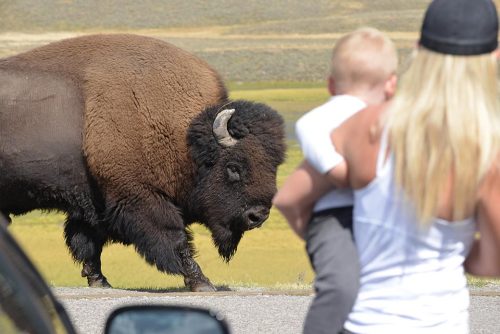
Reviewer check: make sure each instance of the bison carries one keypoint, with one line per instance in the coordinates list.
(134, 139)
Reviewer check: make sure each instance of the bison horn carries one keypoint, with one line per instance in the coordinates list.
(220, 128)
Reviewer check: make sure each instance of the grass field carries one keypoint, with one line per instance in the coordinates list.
(254, 16)
(251, 41)
(271, 256)
(274, 52)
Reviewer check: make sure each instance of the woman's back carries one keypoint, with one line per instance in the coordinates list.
(412, 273)
(424, 189)
(412, 277)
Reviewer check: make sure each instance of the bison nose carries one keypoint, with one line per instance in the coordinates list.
(256, 216)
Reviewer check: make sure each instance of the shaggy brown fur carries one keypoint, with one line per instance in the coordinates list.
(126, 80)
(139, 161)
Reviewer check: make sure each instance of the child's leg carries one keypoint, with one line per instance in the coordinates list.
(335, 260)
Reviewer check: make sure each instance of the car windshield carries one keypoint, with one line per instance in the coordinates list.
(26, 303)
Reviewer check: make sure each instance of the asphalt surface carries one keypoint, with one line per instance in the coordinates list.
(247, 311)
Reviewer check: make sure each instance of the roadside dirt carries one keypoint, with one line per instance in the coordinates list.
(248, 311)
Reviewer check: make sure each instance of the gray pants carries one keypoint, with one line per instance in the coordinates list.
(334, 258)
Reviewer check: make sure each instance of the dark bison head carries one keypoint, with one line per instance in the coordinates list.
(237, 147)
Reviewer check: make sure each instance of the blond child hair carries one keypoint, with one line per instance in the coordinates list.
(362, 60)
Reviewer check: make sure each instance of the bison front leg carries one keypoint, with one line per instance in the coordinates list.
(85, 243)
(193, 276)
(171, 251)
(157, 231)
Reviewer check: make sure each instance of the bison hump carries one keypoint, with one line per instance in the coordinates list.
(140, 97)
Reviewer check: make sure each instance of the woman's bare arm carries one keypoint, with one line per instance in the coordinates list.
(484, 258)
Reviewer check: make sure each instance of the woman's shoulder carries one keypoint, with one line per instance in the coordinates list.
(367, 118)
(358, 140)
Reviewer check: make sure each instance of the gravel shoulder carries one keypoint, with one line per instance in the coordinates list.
(246, 310)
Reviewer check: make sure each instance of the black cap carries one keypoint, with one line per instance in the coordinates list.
(460, 27)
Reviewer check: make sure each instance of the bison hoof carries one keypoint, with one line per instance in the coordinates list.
(203, 287)
(200, 286)
(98, 282)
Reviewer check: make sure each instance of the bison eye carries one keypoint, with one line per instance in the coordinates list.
(233, 173)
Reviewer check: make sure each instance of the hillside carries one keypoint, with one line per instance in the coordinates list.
(247, 41)
(255, 16)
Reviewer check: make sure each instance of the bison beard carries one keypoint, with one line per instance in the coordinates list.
(226, 241)
(135, 140)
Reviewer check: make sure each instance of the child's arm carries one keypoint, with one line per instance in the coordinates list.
(313, 134)
(308, 183)
(338, 176)
(296, 198)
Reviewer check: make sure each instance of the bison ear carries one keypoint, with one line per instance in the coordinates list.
(238, 129)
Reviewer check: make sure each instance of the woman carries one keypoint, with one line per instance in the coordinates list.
(425, 170)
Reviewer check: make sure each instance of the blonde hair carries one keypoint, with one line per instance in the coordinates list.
(365, 57)
(445, 122)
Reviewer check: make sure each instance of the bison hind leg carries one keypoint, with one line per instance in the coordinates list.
(85, 243)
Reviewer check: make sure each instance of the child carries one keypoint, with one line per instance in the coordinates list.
(363, 67)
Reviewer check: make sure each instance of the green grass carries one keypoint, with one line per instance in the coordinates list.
(479, 282)
(261, 68)
(290, 100)
(271, 257)
(240, 87)
(288, 95)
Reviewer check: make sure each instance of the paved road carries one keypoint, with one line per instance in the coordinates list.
(247, 311)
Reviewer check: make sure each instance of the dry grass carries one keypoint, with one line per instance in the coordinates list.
(253, 41)
(271, 256)
(272, 45)
(255, 16)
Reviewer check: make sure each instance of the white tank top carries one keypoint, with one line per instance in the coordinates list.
(412, 278)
